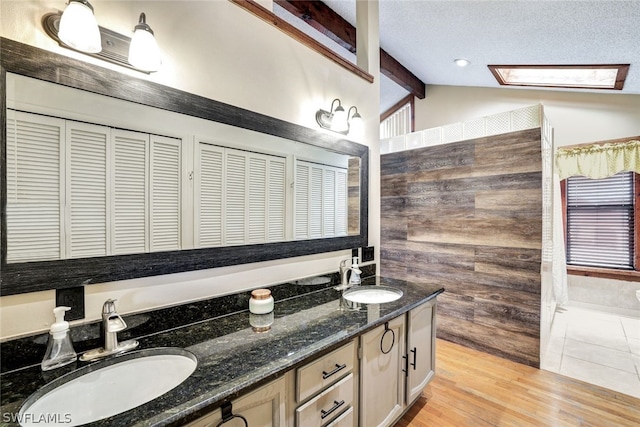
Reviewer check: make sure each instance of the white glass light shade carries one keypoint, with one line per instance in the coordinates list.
(144, 52)
(356, 128)
(79, 28)
(339, 120)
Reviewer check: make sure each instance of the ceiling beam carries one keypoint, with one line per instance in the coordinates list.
(324, 19)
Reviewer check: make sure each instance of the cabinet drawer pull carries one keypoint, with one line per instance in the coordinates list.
(415, 353)
(338, 368)
(324, 414)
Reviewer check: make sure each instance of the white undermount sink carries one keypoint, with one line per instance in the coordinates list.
(109, 387)
(372, 294)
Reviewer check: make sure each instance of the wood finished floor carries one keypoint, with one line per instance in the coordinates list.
(476, 389)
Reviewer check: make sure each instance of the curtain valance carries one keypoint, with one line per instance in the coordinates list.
(598, 160)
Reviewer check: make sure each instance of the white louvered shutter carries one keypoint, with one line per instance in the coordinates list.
(257, 199)
(301, 214)
(129, 206)
(33, 187)
(87, 168)
(209, 196)
(321, 200)
(329, 202)
(236, 197)
(165, 192)
(315, 201)
(277, 199)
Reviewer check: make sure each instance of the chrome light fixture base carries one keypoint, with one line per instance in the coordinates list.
(328, 119)
(115, 46)
(324, 119)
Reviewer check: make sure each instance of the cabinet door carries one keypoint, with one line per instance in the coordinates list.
(264, 407)
(382, 379)
(420, 349)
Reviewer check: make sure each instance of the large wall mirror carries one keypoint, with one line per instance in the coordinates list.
(107, 177)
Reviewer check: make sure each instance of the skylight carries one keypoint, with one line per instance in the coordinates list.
(565, 76)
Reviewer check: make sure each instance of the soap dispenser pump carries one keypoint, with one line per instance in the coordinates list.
(354, 279)
(59, 348)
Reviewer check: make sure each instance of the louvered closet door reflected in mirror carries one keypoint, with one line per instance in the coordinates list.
(79, 190)
(240, 197)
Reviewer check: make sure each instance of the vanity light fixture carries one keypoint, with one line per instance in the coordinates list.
(337, 120)
(141, 54)
(144, 52)
(355, 123)
(79, 28)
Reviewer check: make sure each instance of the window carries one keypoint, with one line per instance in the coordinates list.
(600, 229)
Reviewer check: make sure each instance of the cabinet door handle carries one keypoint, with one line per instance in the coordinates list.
(324, 414)
(406, 365)
(338, 368)
(415, 353)
(228, 415)
(393, 338)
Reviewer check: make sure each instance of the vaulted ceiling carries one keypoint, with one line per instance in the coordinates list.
(425, 36)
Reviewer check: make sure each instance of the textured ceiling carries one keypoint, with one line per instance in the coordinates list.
(427, 35)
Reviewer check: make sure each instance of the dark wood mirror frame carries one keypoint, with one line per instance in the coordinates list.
(21, 59)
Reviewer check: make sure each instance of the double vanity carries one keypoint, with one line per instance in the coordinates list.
(319, 359)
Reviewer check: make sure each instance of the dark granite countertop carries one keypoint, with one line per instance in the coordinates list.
(232, 358)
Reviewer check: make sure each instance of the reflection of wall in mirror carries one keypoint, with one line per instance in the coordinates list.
(353, 185)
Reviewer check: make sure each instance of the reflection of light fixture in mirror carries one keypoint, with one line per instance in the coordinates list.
(79, 28)
(144, 52)
(340, 121)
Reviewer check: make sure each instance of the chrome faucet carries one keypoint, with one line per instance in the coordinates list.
(112, 323)
(344, 283)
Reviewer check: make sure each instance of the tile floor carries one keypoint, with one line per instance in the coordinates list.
(596, 347)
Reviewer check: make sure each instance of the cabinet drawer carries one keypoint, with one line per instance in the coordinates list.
(326, 370)
(327, 405)
(344, 420)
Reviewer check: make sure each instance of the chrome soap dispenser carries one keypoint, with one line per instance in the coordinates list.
(354, 279)
(59, 348)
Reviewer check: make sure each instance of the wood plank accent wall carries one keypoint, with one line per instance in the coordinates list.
(468, 216)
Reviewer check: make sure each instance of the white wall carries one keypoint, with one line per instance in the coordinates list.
(577, 118)
(220, 51)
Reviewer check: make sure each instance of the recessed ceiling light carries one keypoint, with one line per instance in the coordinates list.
(564, 76)
(461, 62)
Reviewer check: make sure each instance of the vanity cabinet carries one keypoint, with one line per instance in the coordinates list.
(398, 361)
(264, 407)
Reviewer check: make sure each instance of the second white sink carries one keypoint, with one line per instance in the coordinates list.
(372, 294)
(110, 387)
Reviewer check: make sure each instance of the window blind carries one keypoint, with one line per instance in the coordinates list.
(600, 221)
